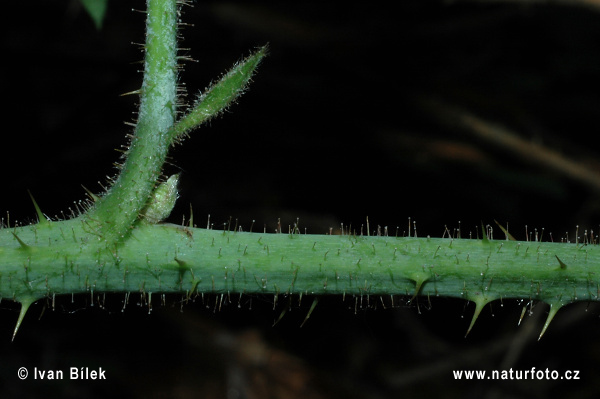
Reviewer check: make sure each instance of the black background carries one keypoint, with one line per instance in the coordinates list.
(346, 119)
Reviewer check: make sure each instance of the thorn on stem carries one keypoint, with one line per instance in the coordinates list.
(480, 303)
(25, 303)
(418, 284)
(23, 245)
(554, 308)
(312, 307)
(42, 219)
(562, 264)
(92, 196)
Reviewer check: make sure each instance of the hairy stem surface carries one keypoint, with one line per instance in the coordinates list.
(169, 258)
(116, 212)
(71, 257)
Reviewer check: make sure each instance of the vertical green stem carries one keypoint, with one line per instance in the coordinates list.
(117, 211)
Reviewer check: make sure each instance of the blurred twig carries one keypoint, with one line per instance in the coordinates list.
(512, 142)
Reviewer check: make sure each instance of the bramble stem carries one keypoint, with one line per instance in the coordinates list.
(116, 212)
(71, 256)
(169, 258)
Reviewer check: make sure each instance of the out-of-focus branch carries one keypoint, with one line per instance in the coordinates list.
(528, 150)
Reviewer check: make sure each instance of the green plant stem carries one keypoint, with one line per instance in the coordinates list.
(71, 256)
(169, 258)
(87, 252)
(115, 213)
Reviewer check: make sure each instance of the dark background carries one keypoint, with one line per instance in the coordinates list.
(354, 114)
